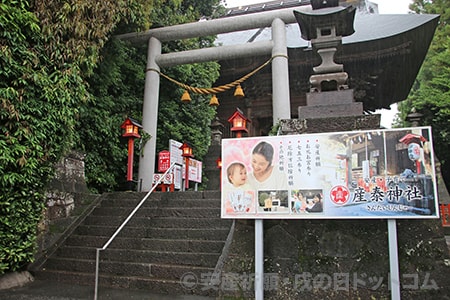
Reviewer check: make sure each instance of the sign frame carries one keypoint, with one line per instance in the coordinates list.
(380, 153)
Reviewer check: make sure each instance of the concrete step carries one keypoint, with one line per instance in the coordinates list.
(133, 198)
(118, 211)
(131, 203)
(129, 195)
(174, 222)
(181, 212)
(116, 221)
(188, 233)
(179, 245)
(117, 268)
(107, 231)
(191, 203)
(219, 233)
(172, 234)
(170, 245)
(203, 259)
(150, 203)
(98, 242)
(194, 195)
(161, 286)
(180, 221)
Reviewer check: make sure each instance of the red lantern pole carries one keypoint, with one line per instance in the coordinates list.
(186, 175)
(186, 152)
(130, 160)
(131, 132)
(219, 166)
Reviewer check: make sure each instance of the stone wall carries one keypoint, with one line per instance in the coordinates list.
(64, 200)
(69, 179)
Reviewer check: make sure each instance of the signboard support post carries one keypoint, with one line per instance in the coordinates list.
(259, 259)
(393, 259)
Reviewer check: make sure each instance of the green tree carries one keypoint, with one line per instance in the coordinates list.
(430, 95)
(117, 88)
(46, 49)
(37, 112)
(177, 120)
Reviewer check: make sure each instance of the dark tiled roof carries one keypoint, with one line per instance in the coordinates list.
(382, 59)
(368, 27)
(266, 6)
(363, 6)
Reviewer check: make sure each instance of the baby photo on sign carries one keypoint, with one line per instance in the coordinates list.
(240, 196)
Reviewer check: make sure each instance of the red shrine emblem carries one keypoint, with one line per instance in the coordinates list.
(339, 194)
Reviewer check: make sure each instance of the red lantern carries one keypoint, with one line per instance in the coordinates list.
(131, 128)
(186, 152)
(219, 163)
(131, 132)
(238, 122)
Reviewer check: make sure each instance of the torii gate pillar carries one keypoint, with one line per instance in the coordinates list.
(276, 47)
(150, 115)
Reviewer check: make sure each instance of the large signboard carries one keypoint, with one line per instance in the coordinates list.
(352, 175)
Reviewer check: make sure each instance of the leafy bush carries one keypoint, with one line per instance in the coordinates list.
(37, 113)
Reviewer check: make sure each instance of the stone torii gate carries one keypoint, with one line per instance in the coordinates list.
(155, 60)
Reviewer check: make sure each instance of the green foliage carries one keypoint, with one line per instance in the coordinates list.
(177, 120)
(171, 12)
(46, 49)
(117, 86)
(187, 122)
(37, 114)
(431, 94)
(262, 198)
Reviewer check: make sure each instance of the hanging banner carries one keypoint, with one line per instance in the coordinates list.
(382, 174)
(163, 161)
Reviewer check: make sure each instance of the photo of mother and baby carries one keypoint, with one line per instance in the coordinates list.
(258, 185)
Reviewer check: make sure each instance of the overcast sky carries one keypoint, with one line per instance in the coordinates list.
(384, 6)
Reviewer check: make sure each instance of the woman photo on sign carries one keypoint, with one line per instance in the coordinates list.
(317, 204)
(265, 175)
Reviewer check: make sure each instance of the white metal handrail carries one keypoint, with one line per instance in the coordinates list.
(97, 257)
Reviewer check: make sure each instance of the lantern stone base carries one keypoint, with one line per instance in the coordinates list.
(330, 124)
(338, 103)
(211, 170)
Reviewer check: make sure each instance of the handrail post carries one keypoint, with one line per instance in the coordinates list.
(97, 261)
(97, 257)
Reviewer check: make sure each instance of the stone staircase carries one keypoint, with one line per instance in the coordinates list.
(173, 237)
